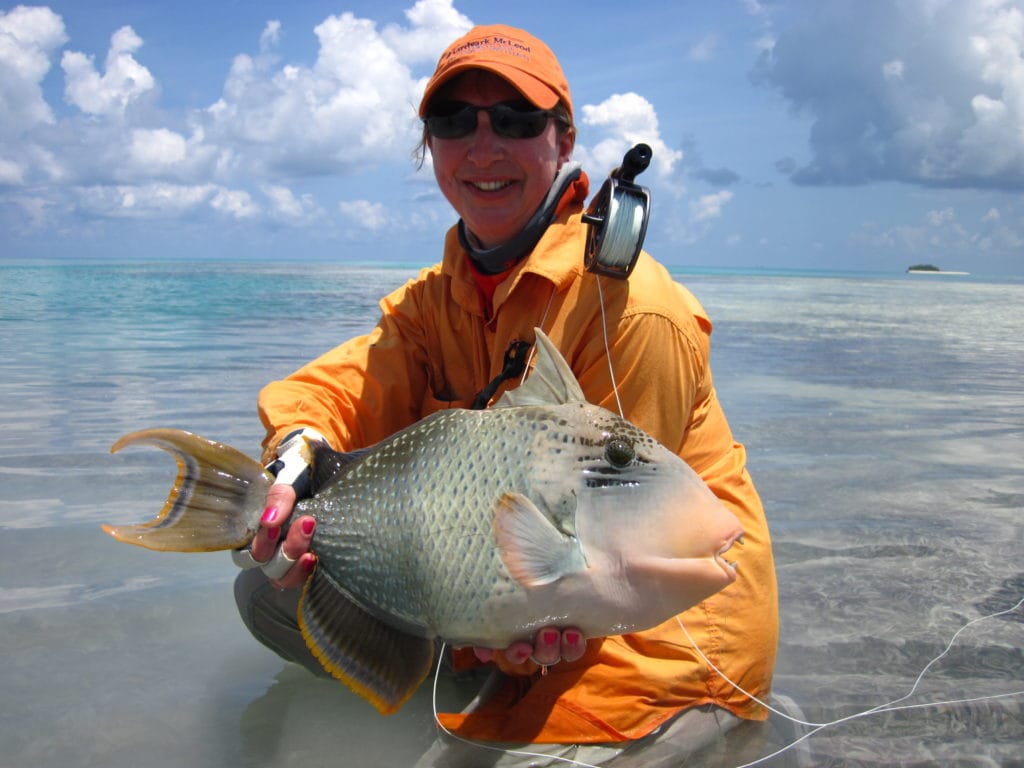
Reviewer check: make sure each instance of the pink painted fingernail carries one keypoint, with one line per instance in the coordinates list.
(308, 525)
(269, 515)
(308, 563)
(521, 655)
(550, 637)
(571, 637)
(273, 533)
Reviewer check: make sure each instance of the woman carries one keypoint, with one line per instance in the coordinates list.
(498, 123)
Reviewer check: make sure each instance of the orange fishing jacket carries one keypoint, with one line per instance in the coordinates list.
(440, 340)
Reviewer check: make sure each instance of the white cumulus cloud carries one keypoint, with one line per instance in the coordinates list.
(28, 38)
(11, 173)
(942, 233)
(270, 36)
(289, 208)
(625, 119)
(110, 151)
(157, 148)
(236, 203)
(365, 214)
(354, 106)
(122, 81)
(919, 91)
(710, 206)
(155, 200)
(430, 22)
(941, 217)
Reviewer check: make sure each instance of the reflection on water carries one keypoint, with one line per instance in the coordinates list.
(884, 421)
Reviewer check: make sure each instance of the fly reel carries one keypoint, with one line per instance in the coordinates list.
(617, 218)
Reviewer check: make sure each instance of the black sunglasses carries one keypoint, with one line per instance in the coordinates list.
(509, 119)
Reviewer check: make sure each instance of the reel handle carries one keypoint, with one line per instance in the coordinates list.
(634, 163)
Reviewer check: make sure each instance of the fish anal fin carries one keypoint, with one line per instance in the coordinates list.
(377, 661)
(552, 381)
(532, 549)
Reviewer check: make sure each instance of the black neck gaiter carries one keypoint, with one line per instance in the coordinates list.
(493, 261)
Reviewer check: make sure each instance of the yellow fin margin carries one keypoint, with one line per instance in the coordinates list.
(378, 662)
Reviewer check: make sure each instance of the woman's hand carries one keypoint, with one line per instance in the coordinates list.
(550, 645)
(295, 547)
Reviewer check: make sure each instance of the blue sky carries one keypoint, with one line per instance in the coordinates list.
(846, 134)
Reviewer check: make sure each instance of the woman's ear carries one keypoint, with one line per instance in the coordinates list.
(566, 143)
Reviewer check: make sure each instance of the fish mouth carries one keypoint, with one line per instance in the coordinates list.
(729, 567)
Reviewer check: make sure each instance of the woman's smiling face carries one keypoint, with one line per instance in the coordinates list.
(495, 184)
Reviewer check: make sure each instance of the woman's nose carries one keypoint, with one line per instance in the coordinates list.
(486, 144)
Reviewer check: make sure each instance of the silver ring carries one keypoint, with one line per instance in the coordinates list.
(278, 565)
(243, 559)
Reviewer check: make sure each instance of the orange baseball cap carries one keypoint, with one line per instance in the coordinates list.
(513, 54)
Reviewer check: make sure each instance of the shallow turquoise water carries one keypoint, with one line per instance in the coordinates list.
(884, 419)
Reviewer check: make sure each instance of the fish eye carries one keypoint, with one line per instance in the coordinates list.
(619, 452)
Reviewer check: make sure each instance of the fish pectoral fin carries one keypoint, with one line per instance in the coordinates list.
(377, 661)
(533, 550)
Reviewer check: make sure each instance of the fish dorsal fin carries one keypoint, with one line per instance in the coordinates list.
(552, 381)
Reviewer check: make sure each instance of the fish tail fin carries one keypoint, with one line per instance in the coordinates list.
(215, 502)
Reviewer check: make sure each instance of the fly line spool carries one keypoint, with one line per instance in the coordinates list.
(617, 218)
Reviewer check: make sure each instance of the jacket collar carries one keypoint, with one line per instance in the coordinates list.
(557, 259)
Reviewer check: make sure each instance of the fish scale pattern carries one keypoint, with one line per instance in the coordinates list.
(407, 529)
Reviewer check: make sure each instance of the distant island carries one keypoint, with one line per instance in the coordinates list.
(931, 269)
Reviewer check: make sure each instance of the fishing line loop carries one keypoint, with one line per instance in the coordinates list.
(519, 752)
(891, 706)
